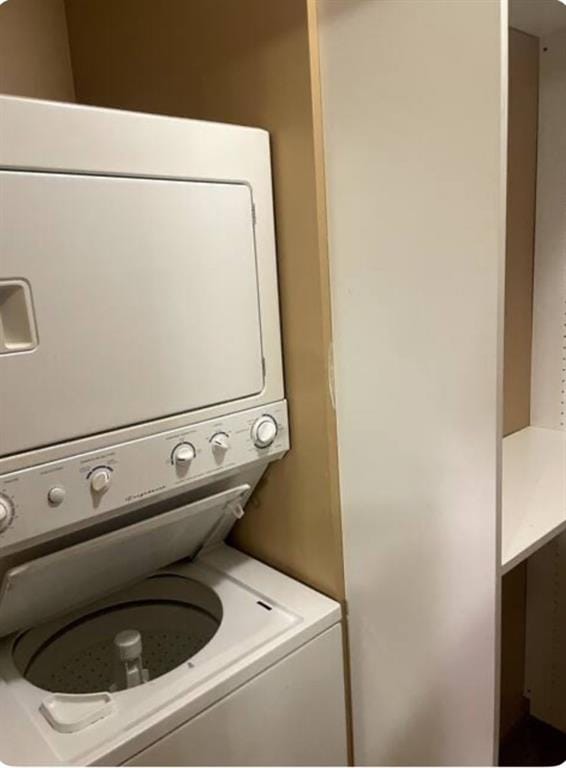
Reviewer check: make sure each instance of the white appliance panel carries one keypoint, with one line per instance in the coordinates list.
(160, 280)
(292, 714)
(139, 471)
(267, 617)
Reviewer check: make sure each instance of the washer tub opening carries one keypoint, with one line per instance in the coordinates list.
(176, 617)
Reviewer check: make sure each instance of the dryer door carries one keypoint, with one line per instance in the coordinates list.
(122, 300)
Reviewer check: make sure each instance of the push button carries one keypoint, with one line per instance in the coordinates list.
(56, 495)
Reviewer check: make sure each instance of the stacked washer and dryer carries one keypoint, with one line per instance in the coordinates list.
(141, 400)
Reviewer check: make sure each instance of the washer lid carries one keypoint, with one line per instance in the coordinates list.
(54, 584)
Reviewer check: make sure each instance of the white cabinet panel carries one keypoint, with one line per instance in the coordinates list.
(133, 283)
(413, 103)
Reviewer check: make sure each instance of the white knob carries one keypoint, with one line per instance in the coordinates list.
(56, 495)
(183, 454)
(6, 513)
(264, 431)
(100, 480)
(220, 442)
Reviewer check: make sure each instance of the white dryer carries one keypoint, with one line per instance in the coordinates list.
(141, 400)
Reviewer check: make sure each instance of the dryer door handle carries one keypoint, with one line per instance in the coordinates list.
(18, 332)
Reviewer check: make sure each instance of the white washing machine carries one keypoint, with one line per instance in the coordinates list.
(142, 400)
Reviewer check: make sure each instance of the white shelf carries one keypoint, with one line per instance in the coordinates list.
(534, 491)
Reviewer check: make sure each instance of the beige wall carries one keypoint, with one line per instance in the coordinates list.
(248, 62)
(34, 50)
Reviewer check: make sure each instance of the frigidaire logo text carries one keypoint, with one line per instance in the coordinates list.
(143, 494)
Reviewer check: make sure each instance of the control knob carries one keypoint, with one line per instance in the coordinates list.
(6, 512)
(264, 431)
(220, 442)
(183, 454)
(100, 480)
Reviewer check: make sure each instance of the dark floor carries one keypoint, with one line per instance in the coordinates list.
(533, 743)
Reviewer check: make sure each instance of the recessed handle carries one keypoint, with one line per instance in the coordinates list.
(17, 326)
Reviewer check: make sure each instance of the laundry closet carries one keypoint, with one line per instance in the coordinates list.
(418, 167)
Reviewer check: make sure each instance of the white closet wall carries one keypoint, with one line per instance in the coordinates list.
(415, 159)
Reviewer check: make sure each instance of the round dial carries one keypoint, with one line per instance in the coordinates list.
(6, 512)
(220, 442)
(183, 454)
(100, 480)
(264, 431)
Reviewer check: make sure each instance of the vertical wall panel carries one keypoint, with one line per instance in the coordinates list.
(546, 582)
(548, 407)
(514, 705)
(519, 263)
(545, 673)
(521, 203)
(34, 50)
(415, 136)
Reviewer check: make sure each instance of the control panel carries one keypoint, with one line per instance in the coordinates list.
(48, 497)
